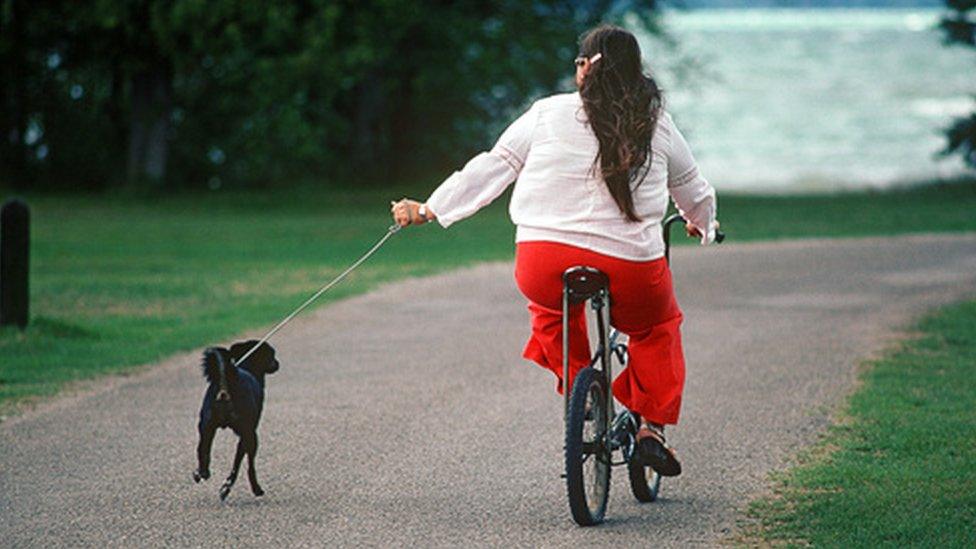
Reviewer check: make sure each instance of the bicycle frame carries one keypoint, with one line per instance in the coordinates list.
(596, 437)
(582, 284)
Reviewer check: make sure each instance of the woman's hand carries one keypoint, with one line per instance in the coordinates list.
(695, 231)
(408, 212)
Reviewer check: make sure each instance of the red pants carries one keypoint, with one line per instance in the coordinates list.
(643, 306)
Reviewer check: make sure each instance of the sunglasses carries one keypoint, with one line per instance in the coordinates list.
(583, 60)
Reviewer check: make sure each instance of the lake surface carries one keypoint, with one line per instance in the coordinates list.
(814, 100)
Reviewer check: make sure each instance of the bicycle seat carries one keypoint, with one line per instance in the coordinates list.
(582, 283)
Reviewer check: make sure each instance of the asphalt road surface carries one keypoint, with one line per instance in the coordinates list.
(406, 417)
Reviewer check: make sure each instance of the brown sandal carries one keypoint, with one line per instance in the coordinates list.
(654, 452)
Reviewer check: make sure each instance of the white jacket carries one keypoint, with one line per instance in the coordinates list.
(549, 152)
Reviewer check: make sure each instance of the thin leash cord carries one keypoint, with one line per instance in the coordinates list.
(392, 230)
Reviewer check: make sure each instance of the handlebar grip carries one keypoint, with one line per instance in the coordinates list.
(719, 237)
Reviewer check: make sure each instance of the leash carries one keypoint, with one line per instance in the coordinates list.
(392, 230)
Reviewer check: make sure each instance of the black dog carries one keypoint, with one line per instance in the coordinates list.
(234, 399)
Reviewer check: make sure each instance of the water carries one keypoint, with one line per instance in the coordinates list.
(813, 100)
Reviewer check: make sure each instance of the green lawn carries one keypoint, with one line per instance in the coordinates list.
(120, 281)
(899, 467)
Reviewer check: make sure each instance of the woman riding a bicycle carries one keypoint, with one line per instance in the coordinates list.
(593, 171)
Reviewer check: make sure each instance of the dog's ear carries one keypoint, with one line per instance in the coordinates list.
(241, 348)
(268, 360)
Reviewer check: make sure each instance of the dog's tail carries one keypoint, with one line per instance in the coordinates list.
(217, 367)
(220, 371)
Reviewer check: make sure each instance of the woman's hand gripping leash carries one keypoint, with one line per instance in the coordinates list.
(410, 212)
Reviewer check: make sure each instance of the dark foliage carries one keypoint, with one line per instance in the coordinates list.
(193, 92)
(959, 27)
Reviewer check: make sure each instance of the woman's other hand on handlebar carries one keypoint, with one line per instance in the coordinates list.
(695, 231)
(410, 212)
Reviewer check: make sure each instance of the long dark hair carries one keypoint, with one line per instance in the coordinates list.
(622, 105)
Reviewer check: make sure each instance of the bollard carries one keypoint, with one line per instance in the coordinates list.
(14, 252)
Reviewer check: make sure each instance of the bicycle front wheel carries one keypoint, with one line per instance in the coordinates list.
(587, 448)
(644, 481)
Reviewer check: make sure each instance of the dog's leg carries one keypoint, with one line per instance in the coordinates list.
(207, 432)
(252, 475)
(232, 477)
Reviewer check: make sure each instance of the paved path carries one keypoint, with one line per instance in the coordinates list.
(407, 417)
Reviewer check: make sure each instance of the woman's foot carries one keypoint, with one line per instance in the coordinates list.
(654, 452)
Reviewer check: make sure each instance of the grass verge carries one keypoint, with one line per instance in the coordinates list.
(119, 281)
(899, 466)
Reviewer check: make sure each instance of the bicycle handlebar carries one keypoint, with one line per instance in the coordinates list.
(676, 218)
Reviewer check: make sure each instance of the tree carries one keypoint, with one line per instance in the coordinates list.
(959, 27)
(251, 92)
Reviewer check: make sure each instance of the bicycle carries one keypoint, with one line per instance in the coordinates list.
(593, 430)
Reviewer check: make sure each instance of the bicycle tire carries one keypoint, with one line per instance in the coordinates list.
(586, 449)
(645, 482)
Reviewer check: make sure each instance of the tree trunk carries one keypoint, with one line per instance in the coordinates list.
(115, 109)
(370, 143)
(152, 106)
(14, 94)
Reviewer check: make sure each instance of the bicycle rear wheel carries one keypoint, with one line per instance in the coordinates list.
(587, 450)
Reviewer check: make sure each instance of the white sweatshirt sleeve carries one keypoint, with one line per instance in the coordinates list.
(486, 176)
(692, 194)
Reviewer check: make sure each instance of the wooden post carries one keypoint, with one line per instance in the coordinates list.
(14, 253)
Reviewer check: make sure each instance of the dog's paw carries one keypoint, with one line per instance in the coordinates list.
(258, 492)
(225, 491)
(199, 475)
